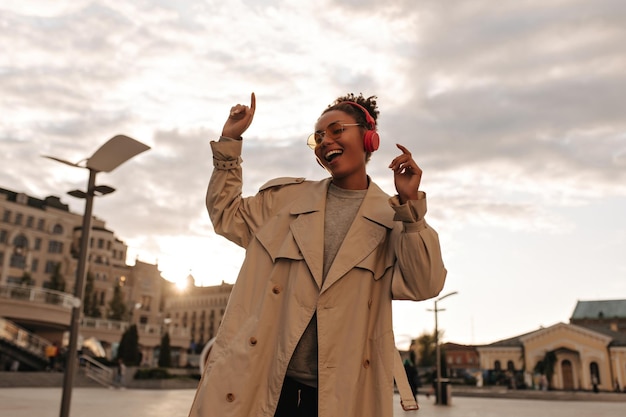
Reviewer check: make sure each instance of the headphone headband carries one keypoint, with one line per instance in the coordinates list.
(371, 140)
(368, 117)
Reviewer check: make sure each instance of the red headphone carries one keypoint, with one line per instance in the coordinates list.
(371, 140)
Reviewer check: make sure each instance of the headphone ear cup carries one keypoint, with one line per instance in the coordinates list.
(371, 140)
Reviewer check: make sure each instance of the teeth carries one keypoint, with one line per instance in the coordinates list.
(331, 153)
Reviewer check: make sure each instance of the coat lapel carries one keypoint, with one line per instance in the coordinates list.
(308, 228)
(368, 229)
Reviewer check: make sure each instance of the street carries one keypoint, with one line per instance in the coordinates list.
(102, 402)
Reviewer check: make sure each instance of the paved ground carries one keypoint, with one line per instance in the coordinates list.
(102, 402)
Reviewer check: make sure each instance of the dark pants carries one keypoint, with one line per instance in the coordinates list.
(297, 400)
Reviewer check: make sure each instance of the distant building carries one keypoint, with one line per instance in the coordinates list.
(601, 314)
(462, 361)
(40, 238)
(592, 348)
(199, 310)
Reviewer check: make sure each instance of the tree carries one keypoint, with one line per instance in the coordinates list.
(117, 306)
(57, 282)
(26, 279)
(128, 350)
(90, 299)
(427, 350)
(165, 354)
(546, 366)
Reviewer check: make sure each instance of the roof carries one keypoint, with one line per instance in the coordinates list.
(599, 309)
(50, 201)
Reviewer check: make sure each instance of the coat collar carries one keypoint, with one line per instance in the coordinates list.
(368, 229)
(375, 206)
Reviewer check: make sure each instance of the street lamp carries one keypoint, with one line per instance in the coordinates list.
(437, 349)
(109, 156)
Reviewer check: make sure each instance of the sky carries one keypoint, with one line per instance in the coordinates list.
(513, 109)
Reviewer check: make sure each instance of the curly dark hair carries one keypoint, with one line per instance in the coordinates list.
(368, 103)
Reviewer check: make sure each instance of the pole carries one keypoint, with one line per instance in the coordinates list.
(437, 348)
(437, 356)
(79, 291)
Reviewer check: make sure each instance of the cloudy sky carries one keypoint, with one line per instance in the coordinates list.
(513, 109)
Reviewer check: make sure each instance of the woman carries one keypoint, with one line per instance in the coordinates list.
(308, 327)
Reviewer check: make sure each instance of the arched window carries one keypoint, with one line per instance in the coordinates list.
(510, 366)
(497, 366)
(18, 257)
(57, 229)
(594, 370)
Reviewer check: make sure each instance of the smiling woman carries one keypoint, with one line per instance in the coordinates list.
(310, 312)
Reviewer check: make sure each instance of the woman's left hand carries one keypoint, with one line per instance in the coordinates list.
(407, 175)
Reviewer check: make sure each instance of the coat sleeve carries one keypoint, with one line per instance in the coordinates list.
(419, 272)
(235, 217)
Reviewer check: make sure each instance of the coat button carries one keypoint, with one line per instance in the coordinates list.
(253, 341)
(230, 397)
(276, 289)
(366, 363)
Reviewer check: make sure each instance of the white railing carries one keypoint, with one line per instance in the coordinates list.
(23, 338)
(104, 324)
(98, 372)
(38, 295)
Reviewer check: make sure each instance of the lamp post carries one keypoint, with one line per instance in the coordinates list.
(109, 156)
(437, 349)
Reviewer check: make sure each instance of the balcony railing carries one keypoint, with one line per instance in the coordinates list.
(121, 326)
(38, 295)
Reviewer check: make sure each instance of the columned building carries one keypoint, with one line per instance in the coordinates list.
(589, 353)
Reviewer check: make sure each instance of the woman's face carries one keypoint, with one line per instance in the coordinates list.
(340, 149)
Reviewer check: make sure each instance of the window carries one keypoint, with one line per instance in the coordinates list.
(37, 243)
(40, 224)
(50, 266)
(34, 265)
(100, 243)
(57, 229)
(18, 257)
(7, 216)
(30, 221)
(18, 218)
(55, 246)
(3, 236)
(594, 370)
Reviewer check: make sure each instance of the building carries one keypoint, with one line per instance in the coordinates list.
(39, 249)
(462, 362)
(589, 353)
(199, 310)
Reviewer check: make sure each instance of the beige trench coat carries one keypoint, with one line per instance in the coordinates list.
(280, 286)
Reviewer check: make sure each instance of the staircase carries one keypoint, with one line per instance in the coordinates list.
(23, 346)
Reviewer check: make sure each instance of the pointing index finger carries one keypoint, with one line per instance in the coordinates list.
(403, 149)
(252, 102)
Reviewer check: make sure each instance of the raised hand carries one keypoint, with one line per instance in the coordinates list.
(239, 119)
(407, 175)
